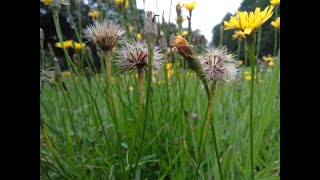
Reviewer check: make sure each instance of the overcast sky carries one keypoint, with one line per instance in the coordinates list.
(205, 16)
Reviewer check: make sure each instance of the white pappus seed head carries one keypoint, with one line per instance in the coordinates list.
(104, 34)
(135, 54)
(218, 65)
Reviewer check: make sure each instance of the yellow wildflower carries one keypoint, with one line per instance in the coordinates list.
(246, 73)
(66, 44)
(169, 65)
(47, 2)
(184, 33)
(240, 62)
(170, 72)
(130, 28)
(119, 2)
(65, 74)
(249, 22)
(78, 46)
(238, 35)
(275, 2)
(248, 78)
(271, 63)
(139, 36)
(130, 88)
(126, 5)
(268, 58)
(94, 14)
(276, 23)
(190, 6)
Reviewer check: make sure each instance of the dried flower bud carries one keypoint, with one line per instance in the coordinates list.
(41, 38)
(163, 43)
(150, 30)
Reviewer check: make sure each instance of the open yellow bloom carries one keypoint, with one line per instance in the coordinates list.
(240, 62)
(190, 6)
(66, 44)
(169, 65)
(184, 33)
(248, 78)
(238, 35)
(268, 58)
(271, 63)
(78, 46)
(94, 14)
(249, 22)
(275, 2)
(182, 19)
(276, 23)
(139, 35)
(119, 2)
(47, 2)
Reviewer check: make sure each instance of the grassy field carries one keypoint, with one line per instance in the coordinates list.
(173, 126)
(157, 124)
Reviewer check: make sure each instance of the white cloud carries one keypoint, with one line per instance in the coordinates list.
(205, 16)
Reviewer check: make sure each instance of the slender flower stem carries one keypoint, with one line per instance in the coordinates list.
(250, 48)
(150, 62)
(107, 57)
(209, 121)
(140, 79)
(216, 149)
(239, 48)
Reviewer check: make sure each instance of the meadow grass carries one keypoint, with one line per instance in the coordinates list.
(172, 135)
(86, 134)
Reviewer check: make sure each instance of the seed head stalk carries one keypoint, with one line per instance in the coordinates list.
(209, 121)
(107, 58)
(150, 62)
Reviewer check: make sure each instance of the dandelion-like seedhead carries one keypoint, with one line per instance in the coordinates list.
(135, 55)
(47, 72)
(218, 66)
(104, 34)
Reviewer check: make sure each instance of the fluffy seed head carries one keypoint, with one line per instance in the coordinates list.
(133, 55)
(47, 72)
(218, 65)
(104, 34)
